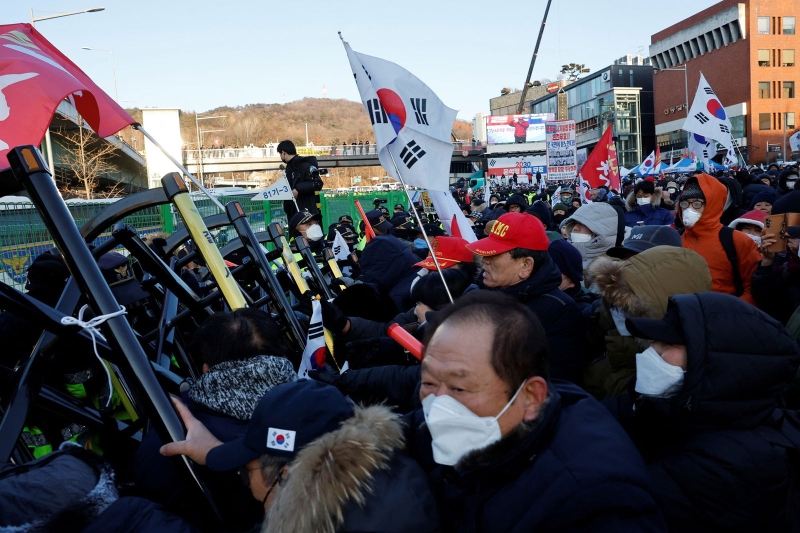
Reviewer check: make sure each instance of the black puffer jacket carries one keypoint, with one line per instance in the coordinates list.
(718, 459)
(560, 316)
(304, 177)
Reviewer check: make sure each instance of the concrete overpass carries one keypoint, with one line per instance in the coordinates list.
(255, 159)
(129, 163)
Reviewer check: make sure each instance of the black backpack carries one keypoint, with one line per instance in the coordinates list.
(726, 239)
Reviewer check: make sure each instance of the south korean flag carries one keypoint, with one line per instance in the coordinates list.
(409, 121)
(707, 117)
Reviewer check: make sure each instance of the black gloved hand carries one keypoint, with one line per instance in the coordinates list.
(375, 352)
(328, 375)
(332, 318)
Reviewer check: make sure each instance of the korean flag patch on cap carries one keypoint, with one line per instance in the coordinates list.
(281, 439)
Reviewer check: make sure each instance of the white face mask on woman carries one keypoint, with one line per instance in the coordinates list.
(656, 377)
(756, 238)
(580, 237)
(456, 430)
(314, 233)
(690, 217)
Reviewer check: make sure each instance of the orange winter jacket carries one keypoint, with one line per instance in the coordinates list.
(703, 238)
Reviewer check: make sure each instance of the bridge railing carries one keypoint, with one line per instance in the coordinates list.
(270, 151)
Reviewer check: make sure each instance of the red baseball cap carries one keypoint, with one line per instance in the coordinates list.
(512, 230)
(449, 251)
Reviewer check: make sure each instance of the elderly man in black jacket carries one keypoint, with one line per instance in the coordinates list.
(507, 450)
(707, 416)
(516, 262)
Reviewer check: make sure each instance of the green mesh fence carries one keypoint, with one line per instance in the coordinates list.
(23, 235)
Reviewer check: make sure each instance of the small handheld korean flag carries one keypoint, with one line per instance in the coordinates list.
(794, 142)
(556, 199)
(409, 121)
(646, 167)
(340, 249)
(701, 148)
(707, 117)
(315, 353)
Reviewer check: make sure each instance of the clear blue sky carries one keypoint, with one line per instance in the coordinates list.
(200, 54)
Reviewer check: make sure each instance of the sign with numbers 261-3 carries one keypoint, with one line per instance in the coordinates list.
(279, 190)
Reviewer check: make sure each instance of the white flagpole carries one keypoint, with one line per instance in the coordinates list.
(180, 167)
(421, 227)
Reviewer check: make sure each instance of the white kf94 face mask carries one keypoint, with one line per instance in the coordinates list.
(580, 237)
(456, 430)
(314, 233)
(690, 217)
(656, 377)
(643, 201)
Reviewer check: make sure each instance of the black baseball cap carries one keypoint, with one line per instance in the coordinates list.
(302, 217)
(668, 329)
(433, 230)
(377, 219)
(645, 237)
(286, 419)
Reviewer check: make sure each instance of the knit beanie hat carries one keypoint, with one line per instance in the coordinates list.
(766, 196)
(692, 190)
(560, 207)
(646, 186)
(754, 218)
(568, 259)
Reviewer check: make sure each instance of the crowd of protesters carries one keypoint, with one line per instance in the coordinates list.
(624, 364)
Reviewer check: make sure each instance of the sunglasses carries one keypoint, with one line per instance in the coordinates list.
(244, 475)
(696, 204)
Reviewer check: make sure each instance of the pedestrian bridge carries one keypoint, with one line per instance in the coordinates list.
(254, 158)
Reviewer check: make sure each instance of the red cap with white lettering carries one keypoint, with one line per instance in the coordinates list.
(512, 230)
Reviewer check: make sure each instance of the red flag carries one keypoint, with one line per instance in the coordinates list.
(34, 78)
(658, 158)
(455, 231)
(601, 166)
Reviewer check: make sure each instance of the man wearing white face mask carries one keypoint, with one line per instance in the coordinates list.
(644, 206)
(307, 224)
(732, 256)
(706, 414)
(505, 449)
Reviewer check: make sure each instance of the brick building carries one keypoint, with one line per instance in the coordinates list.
(746, 50)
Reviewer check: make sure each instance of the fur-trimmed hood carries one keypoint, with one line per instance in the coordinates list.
(641, 286)
(335, 472)
(655, 200)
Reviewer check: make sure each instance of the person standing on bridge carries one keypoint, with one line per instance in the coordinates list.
(304, 179)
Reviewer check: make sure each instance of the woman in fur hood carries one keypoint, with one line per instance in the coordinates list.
(638, 287)
(645, 206)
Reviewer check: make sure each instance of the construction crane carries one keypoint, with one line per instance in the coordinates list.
(528, 83)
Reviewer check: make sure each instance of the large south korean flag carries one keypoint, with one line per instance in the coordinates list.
(707, 116)
(409, 121)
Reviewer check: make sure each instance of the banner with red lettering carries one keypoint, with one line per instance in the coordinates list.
(562, 159)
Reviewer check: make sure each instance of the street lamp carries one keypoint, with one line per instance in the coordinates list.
(197, 119)
(34, 20)
(113, 67)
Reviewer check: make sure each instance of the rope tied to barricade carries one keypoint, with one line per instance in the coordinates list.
(90, 326)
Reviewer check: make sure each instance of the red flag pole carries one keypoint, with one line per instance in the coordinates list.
(367, 226)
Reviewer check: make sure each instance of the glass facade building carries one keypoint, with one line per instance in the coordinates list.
(621, 95)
